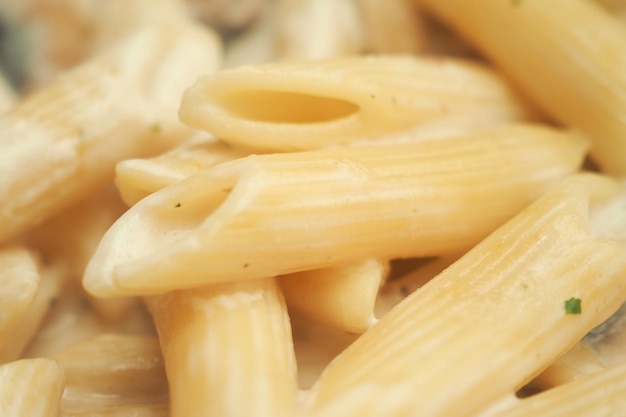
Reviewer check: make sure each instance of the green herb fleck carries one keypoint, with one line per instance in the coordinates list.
(155, 128)
(573, 306)
(516, 2)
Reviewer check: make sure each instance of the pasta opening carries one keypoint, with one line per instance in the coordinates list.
(286, 107)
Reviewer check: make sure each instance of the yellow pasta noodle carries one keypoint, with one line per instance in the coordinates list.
(20, 278)
(342, 296)
(56, 147)
(138, 178)
(228, 350)
(571, 63)
(50, 286)
(31, 387)
(320, 103)
(491, 321)
(599, 394)
(268, 215)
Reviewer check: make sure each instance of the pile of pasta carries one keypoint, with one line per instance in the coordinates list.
(313, 208)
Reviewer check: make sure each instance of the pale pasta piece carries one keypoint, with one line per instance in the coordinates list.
(570, 63)
(56, 146)
(317, 29)
(599, 394)
(31, 387)
(491, 321)
(50, 286)
(138, 178)
(228, 350)
(81, 227)
(19, 282)
(341, 296)
(113, 370)
(393, 26)
(311, 104)
(267, 215)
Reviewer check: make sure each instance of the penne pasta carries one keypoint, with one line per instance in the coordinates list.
(226, 342)
(55, 146)
(50, 286)
(341, 296)
(491, 321)
(31, 387)
(321, 103)
(269, 215)
(138, 178)
(20, 280)
(570, 63)
(599, 394)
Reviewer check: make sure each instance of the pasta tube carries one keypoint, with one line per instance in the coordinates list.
(599, 394)
(19, 275)
(31, 387)
(275, 214)
(138, 178)
(571, 63)
(56, 147)
(50, 284)
(489, 322)
(319, 103)
(228, 350)
(343, 296)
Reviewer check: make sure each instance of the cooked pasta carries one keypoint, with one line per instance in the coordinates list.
(489, 322)
(322, 103)
(570, 63)
(333, 206)
(312, 208)
(224, 342)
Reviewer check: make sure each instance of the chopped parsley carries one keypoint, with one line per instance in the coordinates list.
(573, 306)
(516, 2)
(155, 128)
